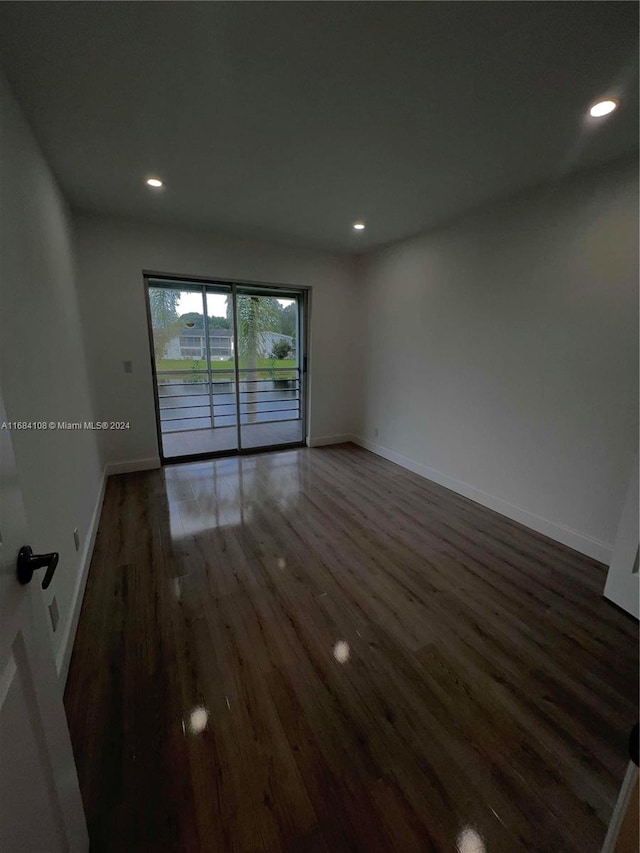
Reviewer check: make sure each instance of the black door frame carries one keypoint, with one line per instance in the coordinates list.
(300, 292)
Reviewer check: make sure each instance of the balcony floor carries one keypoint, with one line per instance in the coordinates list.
(216, 440)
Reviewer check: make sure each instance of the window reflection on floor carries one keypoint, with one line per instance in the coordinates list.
(221, 492)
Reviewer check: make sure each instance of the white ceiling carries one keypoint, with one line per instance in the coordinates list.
(289, 121)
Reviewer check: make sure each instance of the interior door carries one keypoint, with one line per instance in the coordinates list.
(271, 366)
(40, 805)
(623, 586)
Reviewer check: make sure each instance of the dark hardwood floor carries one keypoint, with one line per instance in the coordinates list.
(316, 650)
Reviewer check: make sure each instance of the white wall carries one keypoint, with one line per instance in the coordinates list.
(501, 355)
(111, 257)
(42, 358)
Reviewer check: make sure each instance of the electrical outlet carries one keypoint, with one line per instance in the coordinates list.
(53, 613)
(76, 538)
(127, 366)
(376, 432)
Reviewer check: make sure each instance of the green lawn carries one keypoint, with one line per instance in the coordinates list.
(200, 365)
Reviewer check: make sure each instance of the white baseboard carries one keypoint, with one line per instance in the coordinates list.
(63, 658)
(622, 804)
(132, 465)
(322, 440)
(594, 548)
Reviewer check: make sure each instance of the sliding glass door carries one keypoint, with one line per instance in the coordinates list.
(194, 363)
(228, 366)
(269, 367)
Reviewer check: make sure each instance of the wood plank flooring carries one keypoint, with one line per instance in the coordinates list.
(316, 650)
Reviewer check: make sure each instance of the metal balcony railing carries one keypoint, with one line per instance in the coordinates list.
(265, 395)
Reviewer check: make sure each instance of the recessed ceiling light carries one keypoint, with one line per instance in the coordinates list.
(156, 183)
(358, 226)
(603, 108)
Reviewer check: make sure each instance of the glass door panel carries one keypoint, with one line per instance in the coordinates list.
(222, 366)
(185, 358)
(269, 329)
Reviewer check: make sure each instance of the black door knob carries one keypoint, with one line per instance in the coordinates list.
(28, 563)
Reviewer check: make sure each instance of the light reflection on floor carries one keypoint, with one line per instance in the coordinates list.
(470, 842)
(341, 651)
(198, 720)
